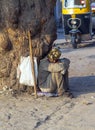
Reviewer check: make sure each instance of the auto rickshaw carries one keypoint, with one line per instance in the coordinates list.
(77, 21)
(93, 7)
(93, 15)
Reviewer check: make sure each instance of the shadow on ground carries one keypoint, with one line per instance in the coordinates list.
(82, 85)
(87, 44)
(68, 47)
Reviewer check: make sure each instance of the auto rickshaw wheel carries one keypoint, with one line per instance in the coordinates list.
(73, 42)
(74, 45)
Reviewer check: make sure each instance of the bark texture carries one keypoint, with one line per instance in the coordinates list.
(16, 18)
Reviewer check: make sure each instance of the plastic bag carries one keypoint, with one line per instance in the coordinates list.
(25, 71)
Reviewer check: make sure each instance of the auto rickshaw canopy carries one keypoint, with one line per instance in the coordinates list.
(75, 6)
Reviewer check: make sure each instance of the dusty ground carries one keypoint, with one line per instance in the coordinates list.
(27, 113)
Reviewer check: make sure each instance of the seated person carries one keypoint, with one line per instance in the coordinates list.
(53, 74)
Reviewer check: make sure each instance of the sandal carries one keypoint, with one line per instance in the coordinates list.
(68, 94)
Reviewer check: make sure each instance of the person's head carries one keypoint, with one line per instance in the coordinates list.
(54, 55)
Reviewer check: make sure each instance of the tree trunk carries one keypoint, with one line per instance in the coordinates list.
(16, 18)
